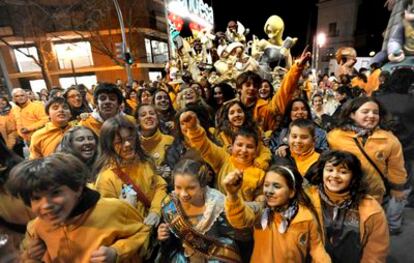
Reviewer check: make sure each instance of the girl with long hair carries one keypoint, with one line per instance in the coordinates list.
(285, 224)
(354, 224)
(126, 172)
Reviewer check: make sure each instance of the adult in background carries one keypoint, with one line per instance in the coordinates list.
(29, 116)
(398, 101)
(76, 101)
(362, 131)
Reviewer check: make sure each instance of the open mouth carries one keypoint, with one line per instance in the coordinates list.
(88, 149)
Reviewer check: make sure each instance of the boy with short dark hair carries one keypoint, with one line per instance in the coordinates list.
(73, 223)
(244, 150)
(45, 140)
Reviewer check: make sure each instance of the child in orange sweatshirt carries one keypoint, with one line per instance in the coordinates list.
(73, 223)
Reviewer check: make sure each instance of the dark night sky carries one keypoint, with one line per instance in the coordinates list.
(300, 17)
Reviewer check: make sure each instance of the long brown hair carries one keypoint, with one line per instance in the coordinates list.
(109, 130)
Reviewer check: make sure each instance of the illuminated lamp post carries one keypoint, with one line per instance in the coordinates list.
(320, 42)
(70, 54)
(126, 52)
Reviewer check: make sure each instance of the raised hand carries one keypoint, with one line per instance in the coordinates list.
(232, 183)
(188, 121)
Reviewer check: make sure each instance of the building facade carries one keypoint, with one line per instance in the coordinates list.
(67, 41)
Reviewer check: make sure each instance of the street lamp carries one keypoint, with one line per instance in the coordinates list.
(69, 53)
(125, 48)
(320, 42)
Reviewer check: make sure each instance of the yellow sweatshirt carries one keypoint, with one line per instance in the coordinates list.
(223, 163)
(31, 116)
(264, 155)
(8, 129)
(384, 149)
(305, 161)
(110, 222)
(45, 140)
(301, 239)
(108, 184)
(156, 145)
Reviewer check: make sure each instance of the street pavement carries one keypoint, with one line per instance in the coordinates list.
(402, 246)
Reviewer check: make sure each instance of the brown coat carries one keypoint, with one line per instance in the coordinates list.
(373, 227)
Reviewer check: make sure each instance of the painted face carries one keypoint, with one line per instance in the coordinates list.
(189, 95)
(336, 179)
(300, 140)
(298, 111)
(84, 144)
(20, 97)
(124, 144)
(108, 105)
(248, 92)
(55, 205)
(146, 97)
(236, 115)
(59, 114)
(188, 189)
(162, 102)
(218, 95)
(367, 116)
(244, 149)
(74, 99)
(264, 91)
(147, 118)
(276, 190)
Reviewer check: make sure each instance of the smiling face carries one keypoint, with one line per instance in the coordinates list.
(55, 205)
(337, 179)
(244, 149)
(147, 118)
(299, 111)
(264, 91)
(189, 95)
(74, 98)
(248, 93)
(84, 144)
(367, 116)
(124, 144)
(236, 115)
(59, 114)
(161, 100)
(300, 140)
(108, 105)
(188, 189)
(317, 102)
(276, 190)
(146, 97)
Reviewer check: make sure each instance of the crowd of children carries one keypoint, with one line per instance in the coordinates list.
(203, 171)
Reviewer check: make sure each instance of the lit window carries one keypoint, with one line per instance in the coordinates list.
(157, 51)
(79, 52)
(25, 63)
(87, 80)
(148, 50)
(37, 85)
